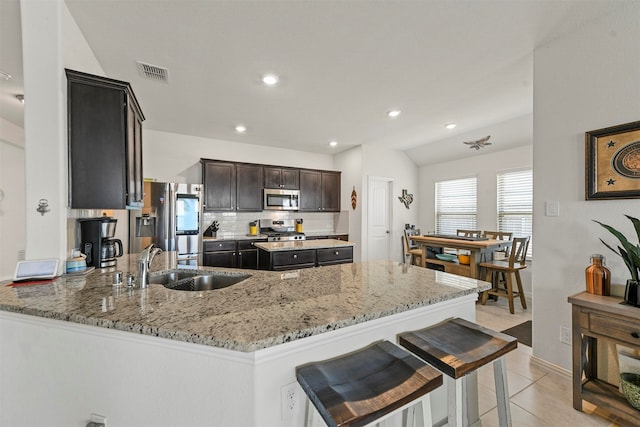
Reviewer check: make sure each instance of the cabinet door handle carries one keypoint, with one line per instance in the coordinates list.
(295, 256)
(635, 335)
(337, 253)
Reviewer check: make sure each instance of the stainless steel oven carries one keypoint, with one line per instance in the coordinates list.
(281, 200)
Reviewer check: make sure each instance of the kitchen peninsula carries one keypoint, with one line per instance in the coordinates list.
(162, 357)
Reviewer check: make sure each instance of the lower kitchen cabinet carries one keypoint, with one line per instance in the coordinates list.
(219, 253)
(331, 256)
(286, 260)
(231, 253)
(248, 254)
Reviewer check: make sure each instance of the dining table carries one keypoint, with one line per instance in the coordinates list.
(479, 248)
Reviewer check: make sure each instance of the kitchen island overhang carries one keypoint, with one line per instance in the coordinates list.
(234, 356)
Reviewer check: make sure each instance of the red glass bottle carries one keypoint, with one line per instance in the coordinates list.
(598, 277)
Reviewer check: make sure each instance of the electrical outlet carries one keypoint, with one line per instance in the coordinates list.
(290, 400)
(565, 335)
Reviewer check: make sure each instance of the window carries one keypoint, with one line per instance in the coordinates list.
(456, 205)
(515, 204)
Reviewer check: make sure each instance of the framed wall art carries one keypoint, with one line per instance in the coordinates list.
(612, 158)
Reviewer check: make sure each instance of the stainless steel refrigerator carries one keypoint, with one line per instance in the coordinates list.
(170, 219)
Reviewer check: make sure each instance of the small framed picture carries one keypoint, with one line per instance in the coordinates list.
(612, 158)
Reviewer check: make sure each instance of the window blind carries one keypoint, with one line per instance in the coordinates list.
(515, 204)
(456, 205)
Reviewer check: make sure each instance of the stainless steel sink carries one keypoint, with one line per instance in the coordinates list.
(197, 280)
(173, 276)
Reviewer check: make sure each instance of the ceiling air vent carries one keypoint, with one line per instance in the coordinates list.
(153, 72)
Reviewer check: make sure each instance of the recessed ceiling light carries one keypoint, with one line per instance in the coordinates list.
(4, 76)
(450, 125)
(241, 129)
(333, 143)
(270, 79)
(394, 113)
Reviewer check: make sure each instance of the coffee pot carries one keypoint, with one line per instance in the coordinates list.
(98, 243)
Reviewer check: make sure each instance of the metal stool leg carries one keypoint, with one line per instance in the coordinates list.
(456, 400)
(502, 391)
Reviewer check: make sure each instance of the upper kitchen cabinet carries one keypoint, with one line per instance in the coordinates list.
(105, 143)
(284, 178)
(219, 179)
(249, 187)
(232, 186)
(319, 191)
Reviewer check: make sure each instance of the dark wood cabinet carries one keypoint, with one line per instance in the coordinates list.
(219, 179)
(286, 260)
(319, 191)
(331, 256)
(105, 143)
(249, 187)
(248, 254)
(285, 178)
(234, 186)
(231, 253)
(219, 253)
(230, 186)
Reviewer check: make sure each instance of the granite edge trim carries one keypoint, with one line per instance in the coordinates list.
(187, 337)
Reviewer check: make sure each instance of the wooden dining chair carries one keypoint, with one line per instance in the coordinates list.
(499, 235)
(511, 268)
(468, 233)
(411, 252)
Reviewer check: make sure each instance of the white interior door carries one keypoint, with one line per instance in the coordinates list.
(379, 218)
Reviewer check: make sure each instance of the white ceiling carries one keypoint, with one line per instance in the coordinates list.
(342, 66)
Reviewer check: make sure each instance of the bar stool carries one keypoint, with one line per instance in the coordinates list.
(368, 385)
(458, 347)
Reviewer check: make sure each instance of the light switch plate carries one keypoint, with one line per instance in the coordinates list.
(552, 208)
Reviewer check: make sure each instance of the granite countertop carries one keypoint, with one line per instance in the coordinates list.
(232, 236)
(302, 244)
(267, 309)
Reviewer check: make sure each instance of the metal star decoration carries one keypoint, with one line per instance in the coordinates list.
(479, 143)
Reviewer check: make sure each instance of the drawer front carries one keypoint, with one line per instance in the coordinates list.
(335, 254)
(294, 257)
(623, 329)
(220, 245)
(248, 244)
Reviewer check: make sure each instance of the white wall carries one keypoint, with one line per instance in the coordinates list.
(396, 165)
(12, 200)
(350, 163)
(172, 157)
(484, 167)
(584, 81)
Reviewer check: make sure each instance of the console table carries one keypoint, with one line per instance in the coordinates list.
(598, 318)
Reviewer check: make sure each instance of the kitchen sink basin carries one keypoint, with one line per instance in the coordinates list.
(173, 276)
(197, 280)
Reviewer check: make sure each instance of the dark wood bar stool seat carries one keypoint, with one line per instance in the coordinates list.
(458, 347)
(367, 385)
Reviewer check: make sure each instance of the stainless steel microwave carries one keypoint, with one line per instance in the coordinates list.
(281, 200)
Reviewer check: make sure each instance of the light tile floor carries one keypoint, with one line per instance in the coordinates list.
(538, 397)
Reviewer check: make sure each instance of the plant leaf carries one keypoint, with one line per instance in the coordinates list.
(636, 225)
(630, 254)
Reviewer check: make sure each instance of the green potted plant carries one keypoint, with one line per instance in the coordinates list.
(630, 254)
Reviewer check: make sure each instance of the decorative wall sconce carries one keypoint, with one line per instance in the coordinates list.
(354, 198)
(406, 198)
(43, 206)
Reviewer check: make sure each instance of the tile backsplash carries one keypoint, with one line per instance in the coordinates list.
(237, 223)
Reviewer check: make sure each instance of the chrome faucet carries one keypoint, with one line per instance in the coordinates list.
(146, 257)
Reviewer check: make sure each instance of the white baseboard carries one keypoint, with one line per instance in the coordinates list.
(551, 367)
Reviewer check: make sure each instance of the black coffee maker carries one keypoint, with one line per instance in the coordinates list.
(97, 241)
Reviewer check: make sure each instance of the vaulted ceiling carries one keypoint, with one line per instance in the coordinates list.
(342, 65)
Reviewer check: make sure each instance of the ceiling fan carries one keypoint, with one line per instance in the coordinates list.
(479, 143)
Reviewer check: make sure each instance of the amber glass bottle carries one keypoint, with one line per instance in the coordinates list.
(598, 276)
